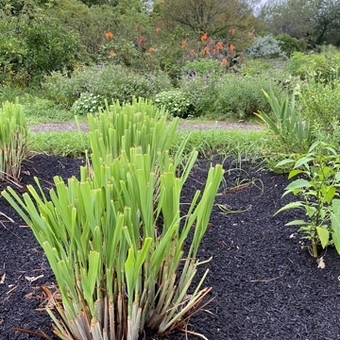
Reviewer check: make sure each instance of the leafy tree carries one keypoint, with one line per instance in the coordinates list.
(318, 21)
(199, 16)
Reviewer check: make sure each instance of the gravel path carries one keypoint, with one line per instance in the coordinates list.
(183, 125)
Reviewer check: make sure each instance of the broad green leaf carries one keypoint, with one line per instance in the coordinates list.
(323, 235)
(292, 205)
(330, 194)
(285, 162)
(335, 224)
(296, 222)
(294, 172)
(297, 185)
(303, 161)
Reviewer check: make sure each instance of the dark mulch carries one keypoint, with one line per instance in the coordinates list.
(265, 284)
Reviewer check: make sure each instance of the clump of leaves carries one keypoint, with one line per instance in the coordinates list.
(115, 238)
(318, 181)
(286, 123)
(87, 103)
(176, 102)
(13, 140)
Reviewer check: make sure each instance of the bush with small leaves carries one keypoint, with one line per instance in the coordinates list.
(176, 102)
(87, 103)
(265, 47)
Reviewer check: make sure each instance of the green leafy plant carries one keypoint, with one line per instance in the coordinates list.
(317, 187)
(87, 103)
(241, 97)
(319, 67)
(176, 102)
(116, 251)
(286, 124)
(13, 140)
(112, 82)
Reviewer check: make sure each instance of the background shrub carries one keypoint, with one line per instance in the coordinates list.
(319, 67)
(176, 102)
(202, 90)
(265, 47)
(240, 97)
(289, 44)
(202, 66)
(113, 82)
(87, 103)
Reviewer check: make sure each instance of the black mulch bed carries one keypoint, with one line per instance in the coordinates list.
(265, 283)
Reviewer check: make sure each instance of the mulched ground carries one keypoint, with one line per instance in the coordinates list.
(265, 283)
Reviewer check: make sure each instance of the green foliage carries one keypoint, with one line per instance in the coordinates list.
(241, 97)
(320, 104)
(49, 47)
(289, 44)
(112, 82)
(203, 66)
(253, 67)
(13, 140)
(176, 102)
(286, 124)
(115, 238)
(87, 103)
(265, 47)
(315, 66)
(317, 187)
(202, 90)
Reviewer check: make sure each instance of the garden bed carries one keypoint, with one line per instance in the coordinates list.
(265, 283)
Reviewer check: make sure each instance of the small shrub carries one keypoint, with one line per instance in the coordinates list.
(112, 82)
(289, 44)
(175, 102)
(240, 97)
(265, 47)
(203, 66)
(87, 103)
(202, 91)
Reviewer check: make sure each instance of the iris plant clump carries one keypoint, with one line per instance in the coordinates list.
(115, 237)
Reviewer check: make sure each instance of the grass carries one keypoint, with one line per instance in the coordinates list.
(245, 143)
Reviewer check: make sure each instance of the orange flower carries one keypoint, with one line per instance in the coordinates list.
(224, 62)
(192, 52)
(141, 40)
(112, 53)
(231, 31)
(151, 50)
(206, 50)
(157, 29)
(219, 46)
(231, 47)
(184, 43)
(204, 37)
(108, 35)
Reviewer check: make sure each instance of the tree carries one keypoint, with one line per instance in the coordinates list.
(317, 21)
(199, 16)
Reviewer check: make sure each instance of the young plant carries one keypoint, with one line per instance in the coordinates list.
(287, 125)
(317, 187)
(13, 140)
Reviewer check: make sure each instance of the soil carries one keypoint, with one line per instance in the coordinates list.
(264, 282)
